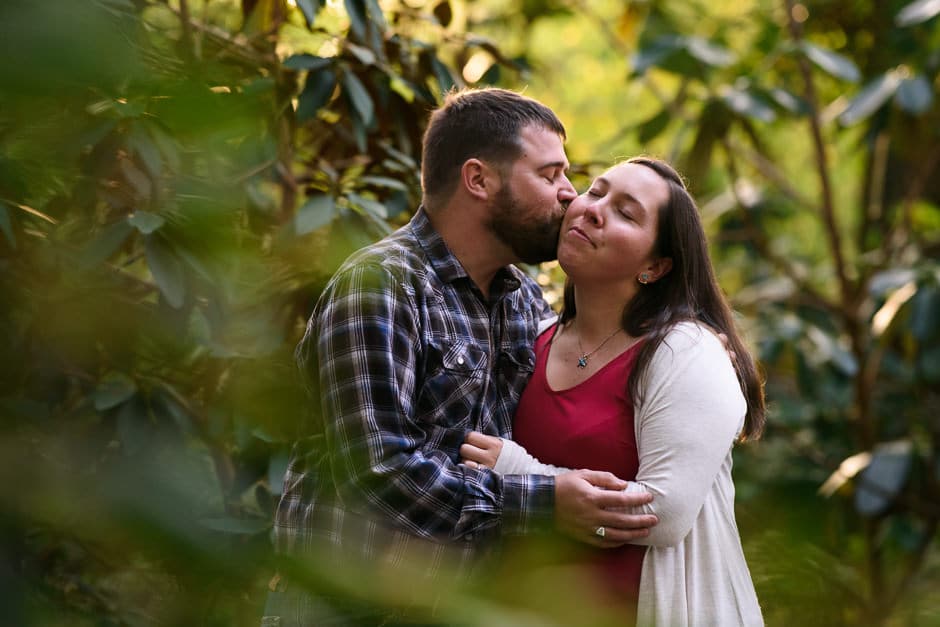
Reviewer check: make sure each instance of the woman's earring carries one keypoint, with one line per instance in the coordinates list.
(644, 278)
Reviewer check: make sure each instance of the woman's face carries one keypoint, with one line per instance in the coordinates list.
(609, 231)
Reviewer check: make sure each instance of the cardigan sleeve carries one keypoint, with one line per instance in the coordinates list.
(687, 419)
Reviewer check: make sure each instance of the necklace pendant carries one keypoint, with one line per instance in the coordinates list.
(582, 362)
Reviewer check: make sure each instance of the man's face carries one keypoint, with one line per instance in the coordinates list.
(528, 209)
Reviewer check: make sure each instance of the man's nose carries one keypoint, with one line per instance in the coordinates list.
(567, 192)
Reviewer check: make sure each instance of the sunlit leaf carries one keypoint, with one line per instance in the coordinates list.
(834, 63)
(743, 102)
(360, 98)
(789, 101)
(709, 53)
(316, 212)
(917, 12)
(879, 484)
(890, 280)
(366, 56)
(915, 95)
(306, 62)
(384, 181)
(317, 92)
(146, 222)
(167, 270)
(113, 389)
(373, 207)
(870, 99)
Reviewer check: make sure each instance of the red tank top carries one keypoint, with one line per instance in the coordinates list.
(587, 426)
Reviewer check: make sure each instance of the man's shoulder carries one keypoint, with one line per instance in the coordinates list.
(399, 254)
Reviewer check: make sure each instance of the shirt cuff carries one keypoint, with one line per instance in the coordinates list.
(528, 504)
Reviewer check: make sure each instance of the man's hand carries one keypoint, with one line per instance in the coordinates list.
(480, 450)
(586, 500)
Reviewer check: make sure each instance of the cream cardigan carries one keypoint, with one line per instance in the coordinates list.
(694, 573)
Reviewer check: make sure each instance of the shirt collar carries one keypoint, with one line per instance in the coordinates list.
(447, 266)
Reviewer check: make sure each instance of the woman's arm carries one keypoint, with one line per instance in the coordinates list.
(690, 412)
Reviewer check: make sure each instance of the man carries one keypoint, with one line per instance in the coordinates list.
(425, 336)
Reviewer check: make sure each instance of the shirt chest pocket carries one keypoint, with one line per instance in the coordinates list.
(454, 388)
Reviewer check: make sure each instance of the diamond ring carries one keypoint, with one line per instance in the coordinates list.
(600, 532)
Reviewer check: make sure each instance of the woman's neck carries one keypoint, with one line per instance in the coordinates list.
(599, 311)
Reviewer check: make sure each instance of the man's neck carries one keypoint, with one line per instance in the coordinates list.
(474, 246)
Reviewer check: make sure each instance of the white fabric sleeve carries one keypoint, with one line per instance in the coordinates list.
(687, 419)
(515, 460)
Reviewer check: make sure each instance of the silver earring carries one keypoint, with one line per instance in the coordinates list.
(644, 278)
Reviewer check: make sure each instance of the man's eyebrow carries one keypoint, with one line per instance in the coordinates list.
(554, 164)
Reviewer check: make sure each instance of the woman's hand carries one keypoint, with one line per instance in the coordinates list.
(480, 451)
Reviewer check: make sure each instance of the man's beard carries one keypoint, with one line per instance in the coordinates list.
(531, 241)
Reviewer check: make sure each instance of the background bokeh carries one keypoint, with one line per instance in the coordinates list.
(178, 178)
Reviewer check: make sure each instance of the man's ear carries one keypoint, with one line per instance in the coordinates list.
(479, 179)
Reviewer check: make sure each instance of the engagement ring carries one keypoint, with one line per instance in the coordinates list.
(600, 532)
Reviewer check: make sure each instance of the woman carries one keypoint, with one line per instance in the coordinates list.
(632, 379)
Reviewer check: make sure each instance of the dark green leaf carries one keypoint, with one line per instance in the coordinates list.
(105, 245)
(146, 222)
(832, 62)
(113, 389)
(925, 313)
(929, 364)
(306, 62)
(651, 128)
(744, 103)
(443, 13)
(357, 17)
(445, 80)
(317, 92)
(148, 152)
(138, 180)
(167, 270)
(6, 225)
(309, 8)
(277, 466)
(789, 101)
(384, 181)
(366, 56)
(376, 15)
(360, 98)
(237, 526)
(915, 95)
(890, 280)
(316, 212)
(373, 207)
(917, 12)
(135, 430)
(870, 99)
(879, 484)
(656, 53)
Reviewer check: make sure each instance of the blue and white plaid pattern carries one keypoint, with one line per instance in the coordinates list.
(406, 355)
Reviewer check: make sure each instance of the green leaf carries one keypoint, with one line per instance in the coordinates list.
(146, 222)
(653, 127)
(317, 92)
(237, 526)
(113, 389)
(880, 483)
(374, 207)
(135, 430)
(384, 181)
(138, 180)
(309, 8)
(148, 152)
(6, 225)
(708, 53)
(357, 17)
(306, 62)
(316, 212)
(870, 99)
(366, 56)
(744, 103)
(105, 245)
(915, 95)
(167, 270)
(376, 15)
(656, 53)
(360, 98)
(925, 312)
(789, 101)
(834, 63)
(445, 80)
(277, 466)
(917, 12)
(929, 363)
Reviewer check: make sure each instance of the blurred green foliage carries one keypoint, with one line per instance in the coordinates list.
(179, 178)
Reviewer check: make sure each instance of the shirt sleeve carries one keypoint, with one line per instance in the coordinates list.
(367, 340)
(690, 413)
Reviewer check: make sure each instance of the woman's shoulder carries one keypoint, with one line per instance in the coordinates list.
(690, 334)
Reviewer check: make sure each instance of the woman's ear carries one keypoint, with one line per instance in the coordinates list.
(478, 179)
(659, 268)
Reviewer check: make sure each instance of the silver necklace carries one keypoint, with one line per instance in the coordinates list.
(583, 359)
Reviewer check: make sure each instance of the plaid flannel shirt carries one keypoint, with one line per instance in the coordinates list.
(406, 356)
